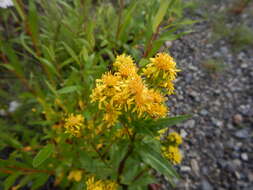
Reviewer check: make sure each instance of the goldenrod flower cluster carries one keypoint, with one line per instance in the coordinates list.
(172, 151)
(162, 71)
(173, 154)
(73, 124)
(175, 139)
(124, 91)
(92, 184)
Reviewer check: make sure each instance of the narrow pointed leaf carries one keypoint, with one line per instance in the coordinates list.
(43, 155)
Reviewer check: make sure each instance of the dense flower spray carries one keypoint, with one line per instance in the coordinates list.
(125, 91)
(73, 124)
(170, 149)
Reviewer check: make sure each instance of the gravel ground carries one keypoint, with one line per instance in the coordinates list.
(218, 143)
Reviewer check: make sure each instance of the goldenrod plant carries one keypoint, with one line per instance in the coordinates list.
(83, 103)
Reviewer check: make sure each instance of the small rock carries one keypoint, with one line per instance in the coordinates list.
(203, 112)
(237, 119)
(224, 50)
(222, 163)
(204, 170)
(237, 175)
(243, 133)
(183, 133)
(190, 123)
(244, 65)
(245, 109)
(244, 156)
(237, 163)
(205, 185)
(193, 93)
(241, 56)
(185, 169)
(195, 167)
(250, 177)
(217, 54)
(217, 122)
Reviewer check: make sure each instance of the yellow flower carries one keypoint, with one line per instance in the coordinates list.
(109, 79)
(125, 66)
(75, 175)
(165, 62)
(161, 71)
(139, 94)
(156, 109)
(106, 88)
(111, 115)
(100, 184)
(173, 154)
(73, 124)
(175, 139)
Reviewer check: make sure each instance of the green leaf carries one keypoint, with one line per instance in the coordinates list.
(144, 181)
(43, 155)
(154, 159)
(33, 20)
(154, 125)
(71, 53)
(126, 20)
(19, 10)
(49, 65)
(69, 89)
(11, 180)
(117, 152)
(39, 180)
(11, 141)
(132, 169)
(167, 122)
(13, 58)
(160, 14)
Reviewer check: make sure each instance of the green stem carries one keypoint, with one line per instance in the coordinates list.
(120, 18)
(123, 162)
(150, 42)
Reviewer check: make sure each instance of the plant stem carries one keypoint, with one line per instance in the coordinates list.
(100, 155)
(8, 170)
(121, 6)
(150, 42)
(123, 162)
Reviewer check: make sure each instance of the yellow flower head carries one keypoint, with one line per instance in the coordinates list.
(161, 71)
(174, 138)
(106, 87)
(73, 124)
(109, 79)
(173, 154)
(125, 66)
(100, 184)
(164, 61)
(136, 85)
(111, 115)
(75, 175)
(123, 60)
